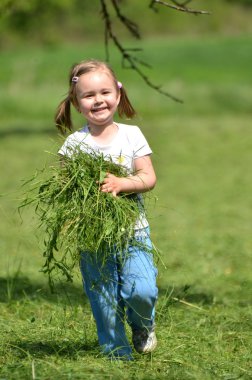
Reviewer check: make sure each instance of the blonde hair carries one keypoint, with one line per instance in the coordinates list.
(63, 114)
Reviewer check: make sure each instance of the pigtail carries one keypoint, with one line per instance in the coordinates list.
(62, 118)
(124, 106)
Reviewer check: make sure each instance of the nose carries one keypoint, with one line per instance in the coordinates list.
(98, 98)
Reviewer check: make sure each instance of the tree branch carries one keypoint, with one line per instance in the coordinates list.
(129, 24)
(182, 7)
(128, 60)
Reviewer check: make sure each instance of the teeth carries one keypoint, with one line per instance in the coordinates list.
(98, 109)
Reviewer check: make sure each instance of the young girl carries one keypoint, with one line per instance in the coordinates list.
(114, 288)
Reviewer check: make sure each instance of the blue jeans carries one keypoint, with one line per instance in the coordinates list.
(125, 284)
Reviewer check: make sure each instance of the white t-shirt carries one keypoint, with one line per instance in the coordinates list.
(128, 144)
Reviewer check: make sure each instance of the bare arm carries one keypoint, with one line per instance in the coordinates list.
(144, 179)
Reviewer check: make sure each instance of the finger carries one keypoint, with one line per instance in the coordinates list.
(106, 189)
(109, 175)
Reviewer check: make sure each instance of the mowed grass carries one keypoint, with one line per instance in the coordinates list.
(201, 221)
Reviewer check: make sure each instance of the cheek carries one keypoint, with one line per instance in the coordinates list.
(84, 105)
(115, 100)
(118, 98)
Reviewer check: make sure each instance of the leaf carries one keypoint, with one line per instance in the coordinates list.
(102, 176)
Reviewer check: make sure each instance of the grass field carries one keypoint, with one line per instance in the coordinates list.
(201, 221)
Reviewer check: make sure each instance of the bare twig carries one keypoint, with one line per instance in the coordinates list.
(182, 7)
(128, 60)
(130, 25)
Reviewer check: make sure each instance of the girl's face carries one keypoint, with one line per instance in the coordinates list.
(97, 97)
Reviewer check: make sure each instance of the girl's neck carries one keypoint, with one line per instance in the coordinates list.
(103, 134)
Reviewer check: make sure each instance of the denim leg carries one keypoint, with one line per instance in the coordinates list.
(138, 284)
(103, 290)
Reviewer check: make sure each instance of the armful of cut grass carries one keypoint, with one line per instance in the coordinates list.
(77, 216)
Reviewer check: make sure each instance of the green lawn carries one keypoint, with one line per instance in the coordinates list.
(201, 221)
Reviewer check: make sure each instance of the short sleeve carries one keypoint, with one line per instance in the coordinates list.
(141, 146)
(71, 142)
(63, 151)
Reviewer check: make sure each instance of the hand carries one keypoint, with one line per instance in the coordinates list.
(111, 184)
(144, 179)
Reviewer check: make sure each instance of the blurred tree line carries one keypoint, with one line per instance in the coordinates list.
(47, 21)
(53, 21)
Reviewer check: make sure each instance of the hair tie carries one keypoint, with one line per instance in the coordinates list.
(75, 79)
(119, 84)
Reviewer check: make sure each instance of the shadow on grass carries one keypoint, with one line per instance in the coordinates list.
(187, 294)
(71, 350)
(18, 287)
(191, 295)
(15, 288)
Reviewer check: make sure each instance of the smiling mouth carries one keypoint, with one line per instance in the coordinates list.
(99, 109)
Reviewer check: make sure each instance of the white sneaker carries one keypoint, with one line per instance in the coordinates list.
(144, 340)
